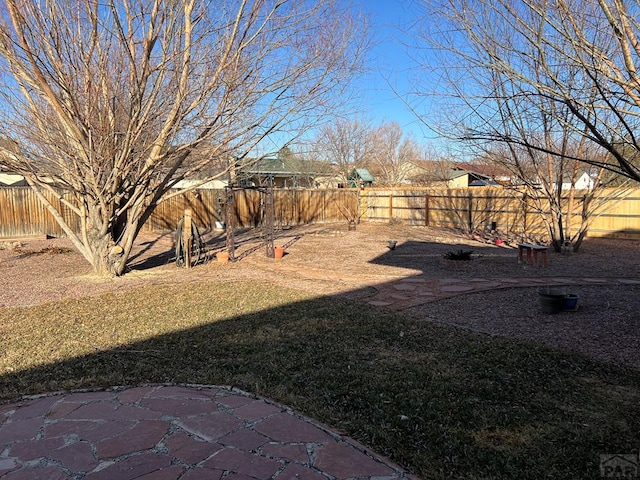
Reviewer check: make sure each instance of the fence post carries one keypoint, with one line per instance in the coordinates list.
(230, 222)
(524, 213)
(470, 217)
(187, 238)
(426, 210)
(390, 206)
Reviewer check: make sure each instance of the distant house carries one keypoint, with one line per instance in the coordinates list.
(426, 173)
(459, 178)
(478, 174)
(10, 147)
(360, 178)
(209, 185)
(282, 171)
(490, 171)
(484, 183)
(585, 181)
(445, 174)
(12, 180)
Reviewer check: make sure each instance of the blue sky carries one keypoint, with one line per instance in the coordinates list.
(391, 67)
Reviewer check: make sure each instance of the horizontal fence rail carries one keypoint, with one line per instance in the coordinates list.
(470, 209)
(510, 211)
(22, 214)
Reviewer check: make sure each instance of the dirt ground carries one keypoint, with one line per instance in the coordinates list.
(327, 259)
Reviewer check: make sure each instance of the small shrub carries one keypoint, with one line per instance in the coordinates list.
(459, 255)
(10, 245)
(395, 221)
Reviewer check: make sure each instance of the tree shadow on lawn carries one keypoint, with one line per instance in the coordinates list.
(152, 252)
(440, 401)
(600, 258)
(157, 250)
(430, 257)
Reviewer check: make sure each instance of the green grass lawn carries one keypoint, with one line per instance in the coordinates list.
(441, 402)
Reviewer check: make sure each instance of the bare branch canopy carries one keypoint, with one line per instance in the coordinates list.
(572, 62)
(112, 103)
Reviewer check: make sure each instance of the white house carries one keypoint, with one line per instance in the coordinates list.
(585, 181)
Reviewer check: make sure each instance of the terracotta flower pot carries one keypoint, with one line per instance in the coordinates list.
(223, 257)
(278, 252)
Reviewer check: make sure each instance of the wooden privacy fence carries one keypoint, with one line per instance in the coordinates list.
(463, 209)
(21, 213)
(292, 207)
(477, 208)
(466, 209)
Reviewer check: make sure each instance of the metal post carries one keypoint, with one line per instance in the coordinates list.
(269, 213)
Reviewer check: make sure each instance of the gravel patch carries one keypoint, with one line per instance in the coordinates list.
(606, 325)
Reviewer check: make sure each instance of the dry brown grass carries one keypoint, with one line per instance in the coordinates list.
(329, 260)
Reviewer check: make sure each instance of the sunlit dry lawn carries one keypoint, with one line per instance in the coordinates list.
(441, 401)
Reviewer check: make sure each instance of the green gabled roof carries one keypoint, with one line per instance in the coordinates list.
(457, 173)
(280, 166)
(361, 173)
(269, 165)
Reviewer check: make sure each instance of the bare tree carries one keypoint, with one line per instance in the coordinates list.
(392, 154)
(533, 83)
(579, 56)
(543, 161)
(113, 103)
(431, 169)
(345, 144)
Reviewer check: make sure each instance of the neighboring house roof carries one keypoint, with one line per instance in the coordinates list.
(210, 185)
(280, 167)
(453, 174)
(361, 173)
(487, 170)
(483, 183)
(12, 180)
(266, 166)
(457, 173)
(283, 171)
(431, 172)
